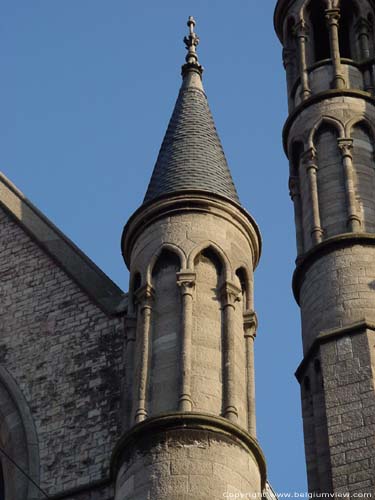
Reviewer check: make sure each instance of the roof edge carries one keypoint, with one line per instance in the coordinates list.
(161, 205)
(84, 272)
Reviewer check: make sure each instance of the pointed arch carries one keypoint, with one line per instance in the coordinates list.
(328, 120)
(18, 438)
(227, 268)
(330, 177)
(358, 120)
(170, 247)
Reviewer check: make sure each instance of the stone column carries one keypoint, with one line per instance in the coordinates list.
(130, 331)
(310, 160)
(230, 294)
(250, 324)
(346, 146)
(301, 32)
(144, 298)
(295, 195)
(333, 18)
(362, 30)
(186, 282)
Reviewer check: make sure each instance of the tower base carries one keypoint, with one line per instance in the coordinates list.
(185, 457)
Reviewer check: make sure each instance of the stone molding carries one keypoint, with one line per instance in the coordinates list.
(186, 421)
(328, 335)
(190, 201)
(250, 324)
(186, 282)
(327, 246)
(314, 99)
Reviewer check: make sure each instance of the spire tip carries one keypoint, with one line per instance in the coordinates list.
(191, 43)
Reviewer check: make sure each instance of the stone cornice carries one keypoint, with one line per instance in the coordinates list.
(186, 421)
(329, 245)
(327, 336)
(190, 201)
(315, 98)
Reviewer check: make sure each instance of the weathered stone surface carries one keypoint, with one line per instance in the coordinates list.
(64, 354)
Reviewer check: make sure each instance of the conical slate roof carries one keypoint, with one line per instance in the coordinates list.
(191, 156)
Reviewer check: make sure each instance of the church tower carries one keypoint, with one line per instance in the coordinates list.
(328, 49)
(191, 248)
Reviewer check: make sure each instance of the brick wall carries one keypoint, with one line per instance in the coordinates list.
(65, 355)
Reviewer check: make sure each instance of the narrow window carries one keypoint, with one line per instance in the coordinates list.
(316, 12)
(348, 13)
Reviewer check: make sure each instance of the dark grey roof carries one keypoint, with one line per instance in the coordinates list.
(191, 156)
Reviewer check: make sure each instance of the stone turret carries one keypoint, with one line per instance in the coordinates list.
(191, 248)
(329, 140)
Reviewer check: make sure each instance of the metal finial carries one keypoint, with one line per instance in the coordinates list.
(191, 42)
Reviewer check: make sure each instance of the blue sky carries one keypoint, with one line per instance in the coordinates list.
(86, 91)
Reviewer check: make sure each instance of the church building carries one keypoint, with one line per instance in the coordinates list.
(150, 394)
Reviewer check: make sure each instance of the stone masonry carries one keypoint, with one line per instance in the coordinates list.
(329, 139)
(64, 354)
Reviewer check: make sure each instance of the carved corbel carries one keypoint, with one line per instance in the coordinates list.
(186, 282)
(250, 323)
(230, 294)
(346, 147)
(145, 295)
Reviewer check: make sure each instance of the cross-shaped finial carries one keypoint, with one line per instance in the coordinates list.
(191, 42)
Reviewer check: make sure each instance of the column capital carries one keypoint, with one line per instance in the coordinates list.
(332, 16)
(145, 296)
(230, 293)
(345, 145)
(301, 29)
(186, 282)
(250, 323)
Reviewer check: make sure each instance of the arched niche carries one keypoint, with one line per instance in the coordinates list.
(290, 54)
(166, 325)
(18, 439)
(331, 182)
(348, 16)
(319, 36)
(364, 173)
(207, 369)
(298, 186)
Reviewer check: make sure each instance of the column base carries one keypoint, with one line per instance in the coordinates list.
(187, 456)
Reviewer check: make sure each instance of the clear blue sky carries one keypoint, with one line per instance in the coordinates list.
(86, 91)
